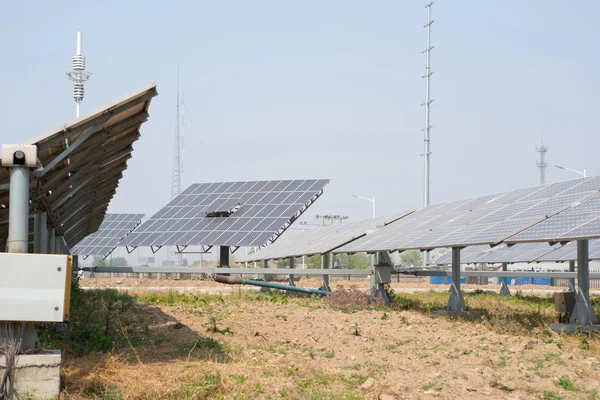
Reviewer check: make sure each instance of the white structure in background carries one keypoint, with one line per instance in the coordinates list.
(371, 199)
(542, 164)
(79, 75)
(582, 173)
(427, 104)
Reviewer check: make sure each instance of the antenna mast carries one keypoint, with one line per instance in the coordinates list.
(542, 164)
(79, 75)
(176, 176)
(427, 128)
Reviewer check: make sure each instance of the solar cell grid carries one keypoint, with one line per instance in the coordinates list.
(112, 230)
(218, 213)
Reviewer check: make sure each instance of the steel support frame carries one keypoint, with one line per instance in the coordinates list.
(325, 264)
(224, 256)
(572, 286)
(504, 290)
(457, 301)
(583, 314)
(292, 266)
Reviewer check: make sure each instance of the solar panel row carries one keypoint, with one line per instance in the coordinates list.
(565, 210)
(112, 230)
(228, 214)
(318, 241)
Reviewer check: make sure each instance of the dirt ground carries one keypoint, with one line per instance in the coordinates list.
(280, 347)
(190, 284)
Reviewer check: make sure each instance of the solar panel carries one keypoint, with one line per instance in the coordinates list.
(81, 163)
(113, 229)
(489, 219)
(228, 214)
(318, 241)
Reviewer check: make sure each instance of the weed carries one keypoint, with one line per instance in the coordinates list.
(385, 316)
(501, 362)
(239, 378)
(433, 385)
(212, 326)
(495, 383)
(566, 383)
(550, 395)
(178, 325)
(355, 329)
(329, 354)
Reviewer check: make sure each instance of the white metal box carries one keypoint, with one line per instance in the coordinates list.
(35, 287)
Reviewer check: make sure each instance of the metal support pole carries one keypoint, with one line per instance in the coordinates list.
(292, 266)
(44, 233)
(18, 212)
(266, 265)
(325, 261)
(37, 233)
(456, 302)
(583, 314)
(373, 263)
(572, 280)
(504, 290)
(224, 256)
(52, 241)
(18, 236)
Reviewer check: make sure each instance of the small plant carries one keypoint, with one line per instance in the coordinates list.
(495, 383)
(550, 395)
(566, 383)
(385, 316)
(212, 326)
(178, 325)
(433, 385)
(329, 354)
(355, 329)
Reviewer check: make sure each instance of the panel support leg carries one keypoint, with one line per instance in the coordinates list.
(292, 266)
(456, 302)
(52, 241)
(572, 280)
(18, 242)
(382, 275)
(266, 265)
(325, 261)
(504, 290)
(583, 314)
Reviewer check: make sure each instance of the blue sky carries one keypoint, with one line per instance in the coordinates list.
(331, 89)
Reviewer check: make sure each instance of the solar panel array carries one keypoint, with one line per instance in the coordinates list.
(521, 253)
(320, 240)
(490, 220)
(228, 214)
(113, 229)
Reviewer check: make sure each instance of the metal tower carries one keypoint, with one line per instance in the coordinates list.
(79, 75)
(542, 164)
(427, 104)
(176, 175)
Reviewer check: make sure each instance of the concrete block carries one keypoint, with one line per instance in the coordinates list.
(37, 374)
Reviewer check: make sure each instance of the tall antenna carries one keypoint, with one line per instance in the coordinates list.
(428, 101)
(176, 176)
(542, 164)
(79, 75)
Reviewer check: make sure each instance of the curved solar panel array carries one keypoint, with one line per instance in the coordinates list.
(562, 211)
(81, 164)
(228, 214)
(320, 240)
(113, 229)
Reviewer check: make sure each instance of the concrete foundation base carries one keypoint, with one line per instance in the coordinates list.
(37, 375)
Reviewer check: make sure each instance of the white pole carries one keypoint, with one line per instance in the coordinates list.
(427, 153)
(373, 207)
(78, 43)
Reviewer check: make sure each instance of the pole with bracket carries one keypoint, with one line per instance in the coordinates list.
(583, 314)
(19, 159)
(325, 261)
(572, 280)
(456, 302)
(292, 266)
(382, 275)
(504, 290)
